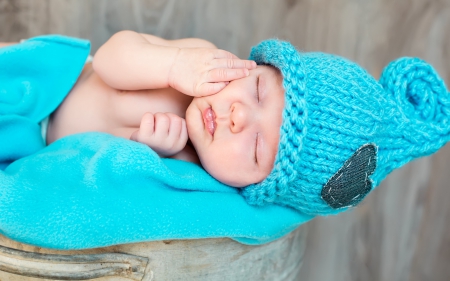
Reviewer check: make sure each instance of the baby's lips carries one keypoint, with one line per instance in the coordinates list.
(209, 119)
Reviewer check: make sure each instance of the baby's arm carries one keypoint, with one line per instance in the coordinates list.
(127, 61)
(133, 61)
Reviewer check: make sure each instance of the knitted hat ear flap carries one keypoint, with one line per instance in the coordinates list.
(418, 90)
(423, 112)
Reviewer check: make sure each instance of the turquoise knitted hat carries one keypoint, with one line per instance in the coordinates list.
(343, 132)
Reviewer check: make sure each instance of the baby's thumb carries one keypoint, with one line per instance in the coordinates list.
(418, 90)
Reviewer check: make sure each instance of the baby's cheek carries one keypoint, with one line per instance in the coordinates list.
(228, 167)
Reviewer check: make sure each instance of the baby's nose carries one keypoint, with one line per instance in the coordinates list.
(238, 117)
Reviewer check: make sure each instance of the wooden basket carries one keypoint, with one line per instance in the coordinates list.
(202, 259)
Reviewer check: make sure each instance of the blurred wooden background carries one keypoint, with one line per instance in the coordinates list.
(402, 230)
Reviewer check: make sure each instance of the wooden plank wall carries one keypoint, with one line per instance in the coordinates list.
(402, 231)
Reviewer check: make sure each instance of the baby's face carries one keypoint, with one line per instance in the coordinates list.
(236, 131)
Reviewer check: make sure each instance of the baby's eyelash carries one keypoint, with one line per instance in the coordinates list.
(257, 88)
(256, 149)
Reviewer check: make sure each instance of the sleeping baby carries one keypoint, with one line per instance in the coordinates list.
(162, 93)
(311, 131)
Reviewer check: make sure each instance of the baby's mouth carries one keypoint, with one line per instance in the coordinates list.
(209, 118)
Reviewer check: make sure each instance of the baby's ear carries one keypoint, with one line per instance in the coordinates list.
(417, 89)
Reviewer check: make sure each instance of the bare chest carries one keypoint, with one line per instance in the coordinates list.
(92, 105)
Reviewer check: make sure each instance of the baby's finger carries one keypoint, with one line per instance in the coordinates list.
(181, 141)
(178, 136)
(162, 124)
(175, 127)
(147, 126)
(207, 89)
(183, 135)
(222, 54)
(234, 63)
(223, 74)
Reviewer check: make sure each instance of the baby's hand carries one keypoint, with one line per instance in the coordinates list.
(201, 71)
(165, 133)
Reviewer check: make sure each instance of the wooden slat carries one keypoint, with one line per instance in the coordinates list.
(401, 232)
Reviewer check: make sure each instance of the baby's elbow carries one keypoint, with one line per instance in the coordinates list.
(108, 55)
(122, 36)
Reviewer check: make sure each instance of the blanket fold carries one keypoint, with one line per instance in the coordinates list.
(35, 77)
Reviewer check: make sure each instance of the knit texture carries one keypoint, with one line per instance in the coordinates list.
(333, 107)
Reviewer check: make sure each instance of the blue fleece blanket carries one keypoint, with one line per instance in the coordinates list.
(93, 189)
